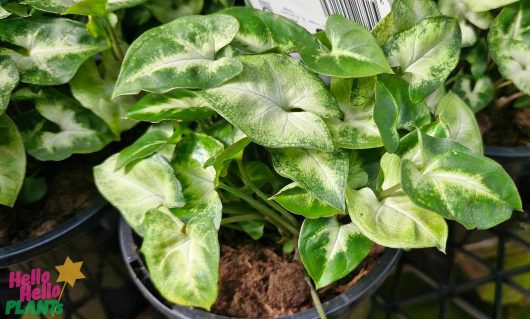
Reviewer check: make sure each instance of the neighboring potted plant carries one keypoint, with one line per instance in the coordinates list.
(493, 77)
(247, 137)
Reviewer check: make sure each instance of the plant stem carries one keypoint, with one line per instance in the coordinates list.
(316, 299)
(114, 40)
(267, 212)
(503, 84)
(506, 100)
(240, 218)
(390, 191)
(264, 197)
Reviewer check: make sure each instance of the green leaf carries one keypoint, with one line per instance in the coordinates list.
(329, 250)
(394, 110)
(299, 201)
(88, 8)
(59, 6)
(460, 185)
(357, 175)
(522, 102)
(509, 41)
(8, 81)
(4, 13)
(261, 31)
(63, 128)
(357, 129)
(425, 54)
(148, 184)
(477, 56)
(231, 152)
(322, 174)
(253, 228)
(404, 14)
(33, 190)
(179, 104)
(476, 95)
(184, 56)
(354, 51)
(276, 102)
(92, 86)
(12, 161)
(154, 139)
(390, 173)
(395, 221)
(168, 10)
(54, 48)
(183, 261)
(486, 5)
(198, 182)
(461, 122)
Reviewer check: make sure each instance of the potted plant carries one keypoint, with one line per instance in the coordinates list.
(492, 77)
(247, 137)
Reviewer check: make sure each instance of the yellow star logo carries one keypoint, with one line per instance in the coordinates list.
(69, 272)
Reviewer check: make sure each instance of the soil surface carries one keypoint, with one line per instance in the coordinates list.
(506, 127)
(260, 282)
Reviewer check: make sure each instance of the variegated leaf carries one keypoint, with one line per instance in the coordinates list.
(354, 51)
(395, 221)
(88, 8)
(357, 129)
(390, 173)
(298, 201)
(329, 250)
(466, 18)
(156, 137)
(509, 42)
(92, 86)
(477, 95)
(63, 128)
(59, 6)
(168, 10)
(357, 174)
(180, 54)
(183, 260)
(198, 182)
(4, 13)
(148, 184)
(425, 54)
(8, 81)
(477, 56)
(179, 104)
(460, 185)
(322, 174)
(261, 31)
(410, 148)
(54, 48)
(12, 161)
(461, 122)
(486, 5)
(276, 102)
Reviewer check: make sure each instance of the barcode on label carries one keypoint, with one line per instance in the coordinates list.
(365, 12)
(265, 5)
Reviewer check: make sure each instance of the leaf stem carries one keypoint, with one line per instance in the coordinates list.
(506, 100)
(390, 191)
(271, 215)
(316, 299)
(240, 218)
(114, 39)
(264, 197)
(503, 84)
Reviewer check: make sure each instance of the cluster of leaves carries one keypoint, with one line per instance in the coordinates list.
(349, 144)
(59, 62)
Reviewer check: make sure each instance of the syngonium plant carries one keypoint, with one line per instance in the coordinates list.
(59, 61)
(327, 153)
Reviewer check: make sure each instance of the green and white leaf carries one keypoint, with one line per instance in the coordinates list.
(329, 250)
(168, 10)
(88, 8)
(461, 122)
(466, 18)
(152, 141)
(298, 201)
(425, 54)
(261, 31)
(198, 182)
(486, 5)
(12, 161)
(433, 99)
(354, 51)
(179, 104)
(410, 148)
(148, 184)
(276, 102)
(180, 54)
(509, 41)
(322, 174)
(477, 95)
(357, 129)
(4, 13)
(395, 221)
(477, 56)
(390, 173)
(93, 86)
(59, 6)
(460, 185)
(183, 261)
(8, 81)
(54, 48)
(64, 128)
(358, 166)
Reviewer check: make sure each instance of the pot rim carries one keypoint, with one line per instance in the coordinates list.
(363, 288)
(507, 151)
(30, 248)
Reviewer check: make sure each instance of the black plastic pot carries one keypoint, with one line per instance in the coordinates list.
(340, 307)
(89, 236)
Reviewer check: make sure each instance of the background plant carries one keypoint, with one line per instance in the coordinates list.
(246, 136)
